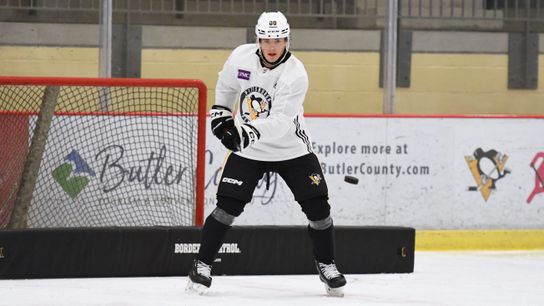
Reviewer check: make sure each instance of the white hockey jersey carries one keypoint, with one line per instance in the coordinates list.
(269, 100)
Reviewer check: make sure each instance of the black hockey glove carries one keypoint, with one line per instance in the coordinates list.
(237, 139)
(222, 120)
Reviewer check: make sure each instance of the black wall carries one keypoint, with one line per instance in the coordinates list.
(168, 251)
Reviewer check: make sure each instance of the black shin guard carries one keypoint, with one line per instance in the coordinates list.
(323, 243)
(212, 239)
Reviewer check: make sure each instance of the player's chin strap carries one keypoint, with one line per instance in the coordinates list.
(271, 65)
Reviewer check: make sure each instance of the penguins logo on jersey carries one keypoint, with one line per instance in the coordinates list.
(255, 102)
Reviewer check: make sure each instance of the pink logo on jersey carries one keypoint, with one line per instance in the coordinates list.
(244, 74)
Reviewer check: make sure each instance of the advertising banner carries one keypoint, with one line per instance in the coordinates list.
(135, 174)
(421, 172)
(427, 173)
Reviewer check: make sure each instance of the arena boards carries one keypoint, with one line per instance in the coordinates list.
(168, 251)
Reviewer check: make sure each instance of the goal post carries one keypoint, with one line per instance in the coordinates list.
(115, 152)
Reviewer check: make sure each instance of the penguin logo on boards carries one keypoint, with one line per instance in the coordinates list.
(487, 167)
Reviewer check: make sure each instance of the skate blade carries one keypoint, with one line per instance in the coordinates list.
(195, 288)
(336, 292)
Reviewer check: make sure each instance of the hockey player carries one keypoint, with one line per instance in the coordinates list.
(268, 134)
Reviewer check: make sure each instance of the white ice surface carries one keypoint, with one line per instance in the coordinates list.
(440, 278)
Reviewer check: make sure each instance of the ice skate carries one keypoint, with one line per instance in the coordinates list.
(199, 278)
(334, 280)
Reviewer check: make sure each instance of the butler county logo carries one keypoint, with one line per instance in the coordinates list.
(73, 175)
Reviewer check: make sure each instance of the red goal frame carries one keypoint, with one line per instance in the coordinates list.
(132, 82)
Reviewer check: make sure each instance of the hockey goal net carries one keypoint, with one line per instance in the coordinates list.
(82, 152)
